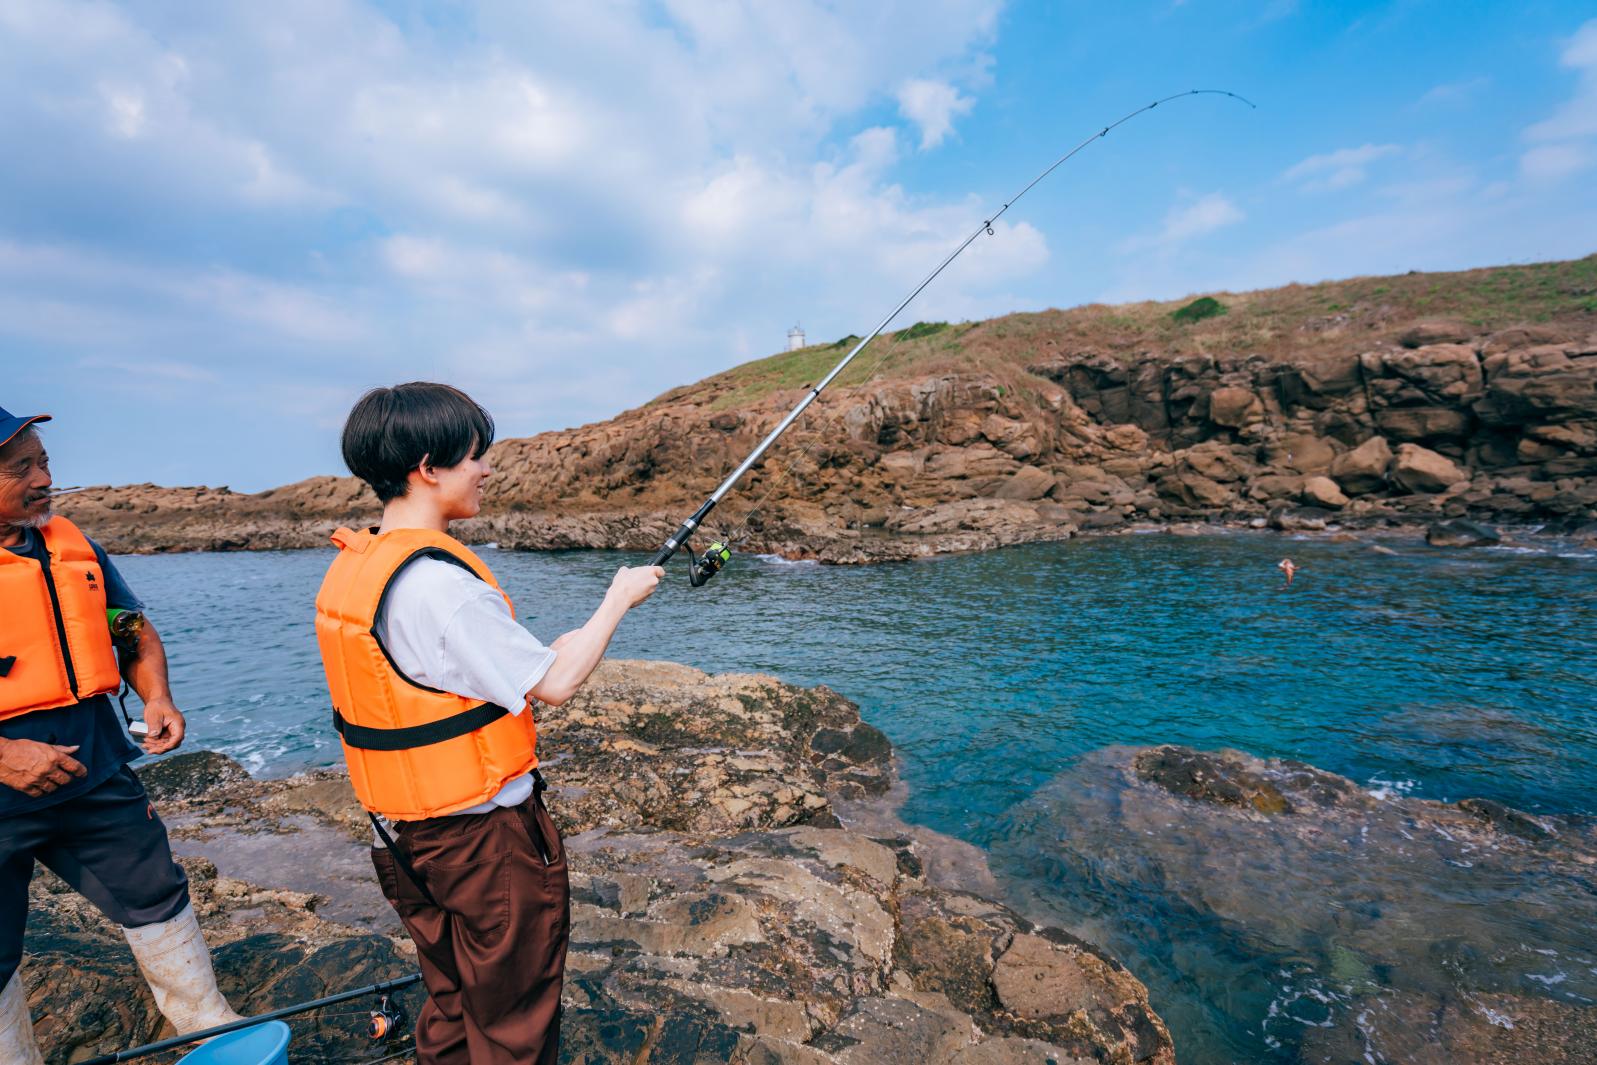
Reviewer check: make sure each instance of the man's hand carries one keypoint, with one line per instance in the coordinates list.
(165, 724)
(35, 768)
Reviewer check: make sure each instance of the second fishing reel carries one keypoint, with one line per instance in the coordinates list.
(387, 1018)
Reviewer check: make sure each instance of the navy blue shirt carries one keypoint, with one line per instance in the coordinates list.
(92, 725)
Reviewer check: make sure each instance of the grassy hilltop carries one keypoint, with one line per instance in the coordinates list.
(1274, 322)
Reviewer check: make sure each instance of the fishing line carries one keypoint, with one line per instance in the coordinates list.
(718, 554)
(739, 531)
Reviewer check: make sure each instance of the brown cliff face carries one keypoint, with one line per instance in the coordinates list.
(1368, 401)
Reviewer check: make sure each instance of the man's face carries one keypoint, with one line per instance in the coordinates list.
(24, 481)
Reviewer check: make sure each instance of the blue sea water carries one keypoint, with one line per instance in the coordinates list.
(1411, 670)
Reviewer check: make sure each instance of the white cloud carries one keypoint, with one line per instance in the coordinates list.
(1453, 92)
(1206, 215)
(1201, 216)
(627, 195)
(1183, 223)
(1339, 169)
(1563, 144)
(933, 106)
(1554, 162)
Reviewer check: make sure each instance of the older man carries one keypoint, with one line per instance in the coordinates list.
(67, 796)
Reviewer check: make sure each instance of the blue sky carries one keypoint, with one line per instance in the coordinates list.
(220, 223)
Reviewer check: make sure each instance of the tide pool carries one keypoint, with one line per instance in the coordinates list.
(1412, 671)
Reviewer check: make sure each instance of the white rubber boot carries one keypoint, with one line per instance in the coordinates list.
(174, 959)
(16, 1027)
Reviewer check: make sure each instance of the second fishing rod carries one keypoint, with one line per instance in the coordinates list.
(719, 553)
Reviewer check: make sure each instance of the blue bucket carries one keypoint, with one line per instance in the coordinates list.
(264, 1044)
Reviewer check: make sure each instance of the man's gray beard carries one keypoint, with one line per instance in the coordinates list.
(37, 521)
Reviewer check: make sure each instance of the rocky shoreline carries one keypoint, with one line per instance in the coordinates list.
(1018, 430)
(723, 911)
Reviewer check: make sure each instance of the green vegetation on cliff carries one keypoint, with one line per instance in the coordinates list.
(1330, 315)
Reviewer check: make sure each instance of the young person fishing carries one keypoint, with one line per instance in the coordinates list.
(433, 685)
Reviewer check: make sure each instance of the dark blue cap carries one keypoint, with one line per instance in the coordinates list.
(11, 425)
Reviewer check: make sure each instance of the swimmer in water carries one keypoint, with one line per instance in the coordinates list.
(1287, 566)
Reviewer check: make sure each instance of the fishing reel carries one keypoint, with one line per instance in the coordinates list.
(708, 564)
(388, 1016)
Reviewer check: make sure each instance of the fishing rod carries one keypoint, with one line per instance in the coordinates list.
(719, 553)
(384, 1019)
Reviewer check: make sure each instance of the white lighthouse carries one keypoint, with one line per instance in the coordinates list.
(795, 338)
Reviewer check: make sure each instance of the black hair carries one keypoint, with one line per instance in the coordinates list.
(392, 430)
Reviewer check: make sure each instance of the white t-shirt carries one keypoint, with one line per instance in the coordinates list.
(449, 630)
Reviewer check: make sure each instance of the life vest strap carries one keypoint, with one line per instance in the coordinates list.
(365, 738)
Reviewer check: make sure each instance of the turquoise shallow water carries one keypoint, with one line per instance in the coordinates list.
(1435, 674)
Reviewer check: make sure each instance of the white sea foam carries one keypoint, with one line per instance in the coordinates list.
(1502, 1020)
(1382, 789)
(778, 560)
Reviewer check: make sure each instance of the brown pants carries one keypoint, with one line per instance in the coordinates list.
(493, 949)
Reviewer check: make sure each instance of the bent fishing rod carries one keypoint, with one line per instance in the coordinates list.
(719, 553)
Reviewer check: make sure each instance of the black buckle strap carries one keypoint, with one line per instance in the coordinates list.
(365, 738)
(401, 861)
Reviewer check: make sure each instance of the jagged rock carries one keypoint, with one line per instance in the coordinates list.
(1301, 519)
(1541, 384)
(1302, 452)
(189, 775)
(1435, 331)
(1460, 532)
(1316, 379)
(1276, 486)
(1192, 489)
(1216, 461)
(1211, 778)
(1419, 469)
(1235, 408)
(1323, 492)
(1363, 470)
(1528, 336)
(1433, 374)
(1028, 482)
(1424, 423)
(1126, 438)
(1506, 819)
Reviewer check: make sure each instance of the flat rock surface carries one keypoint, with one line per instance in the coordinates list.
(721, 911)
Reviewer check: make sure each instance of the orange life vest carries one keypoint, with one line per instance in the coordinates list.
(55, 644)
(413, 751)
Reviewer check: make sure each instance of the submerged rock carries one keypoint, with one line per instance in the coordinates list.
(1340, 924)
(1461, 532)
